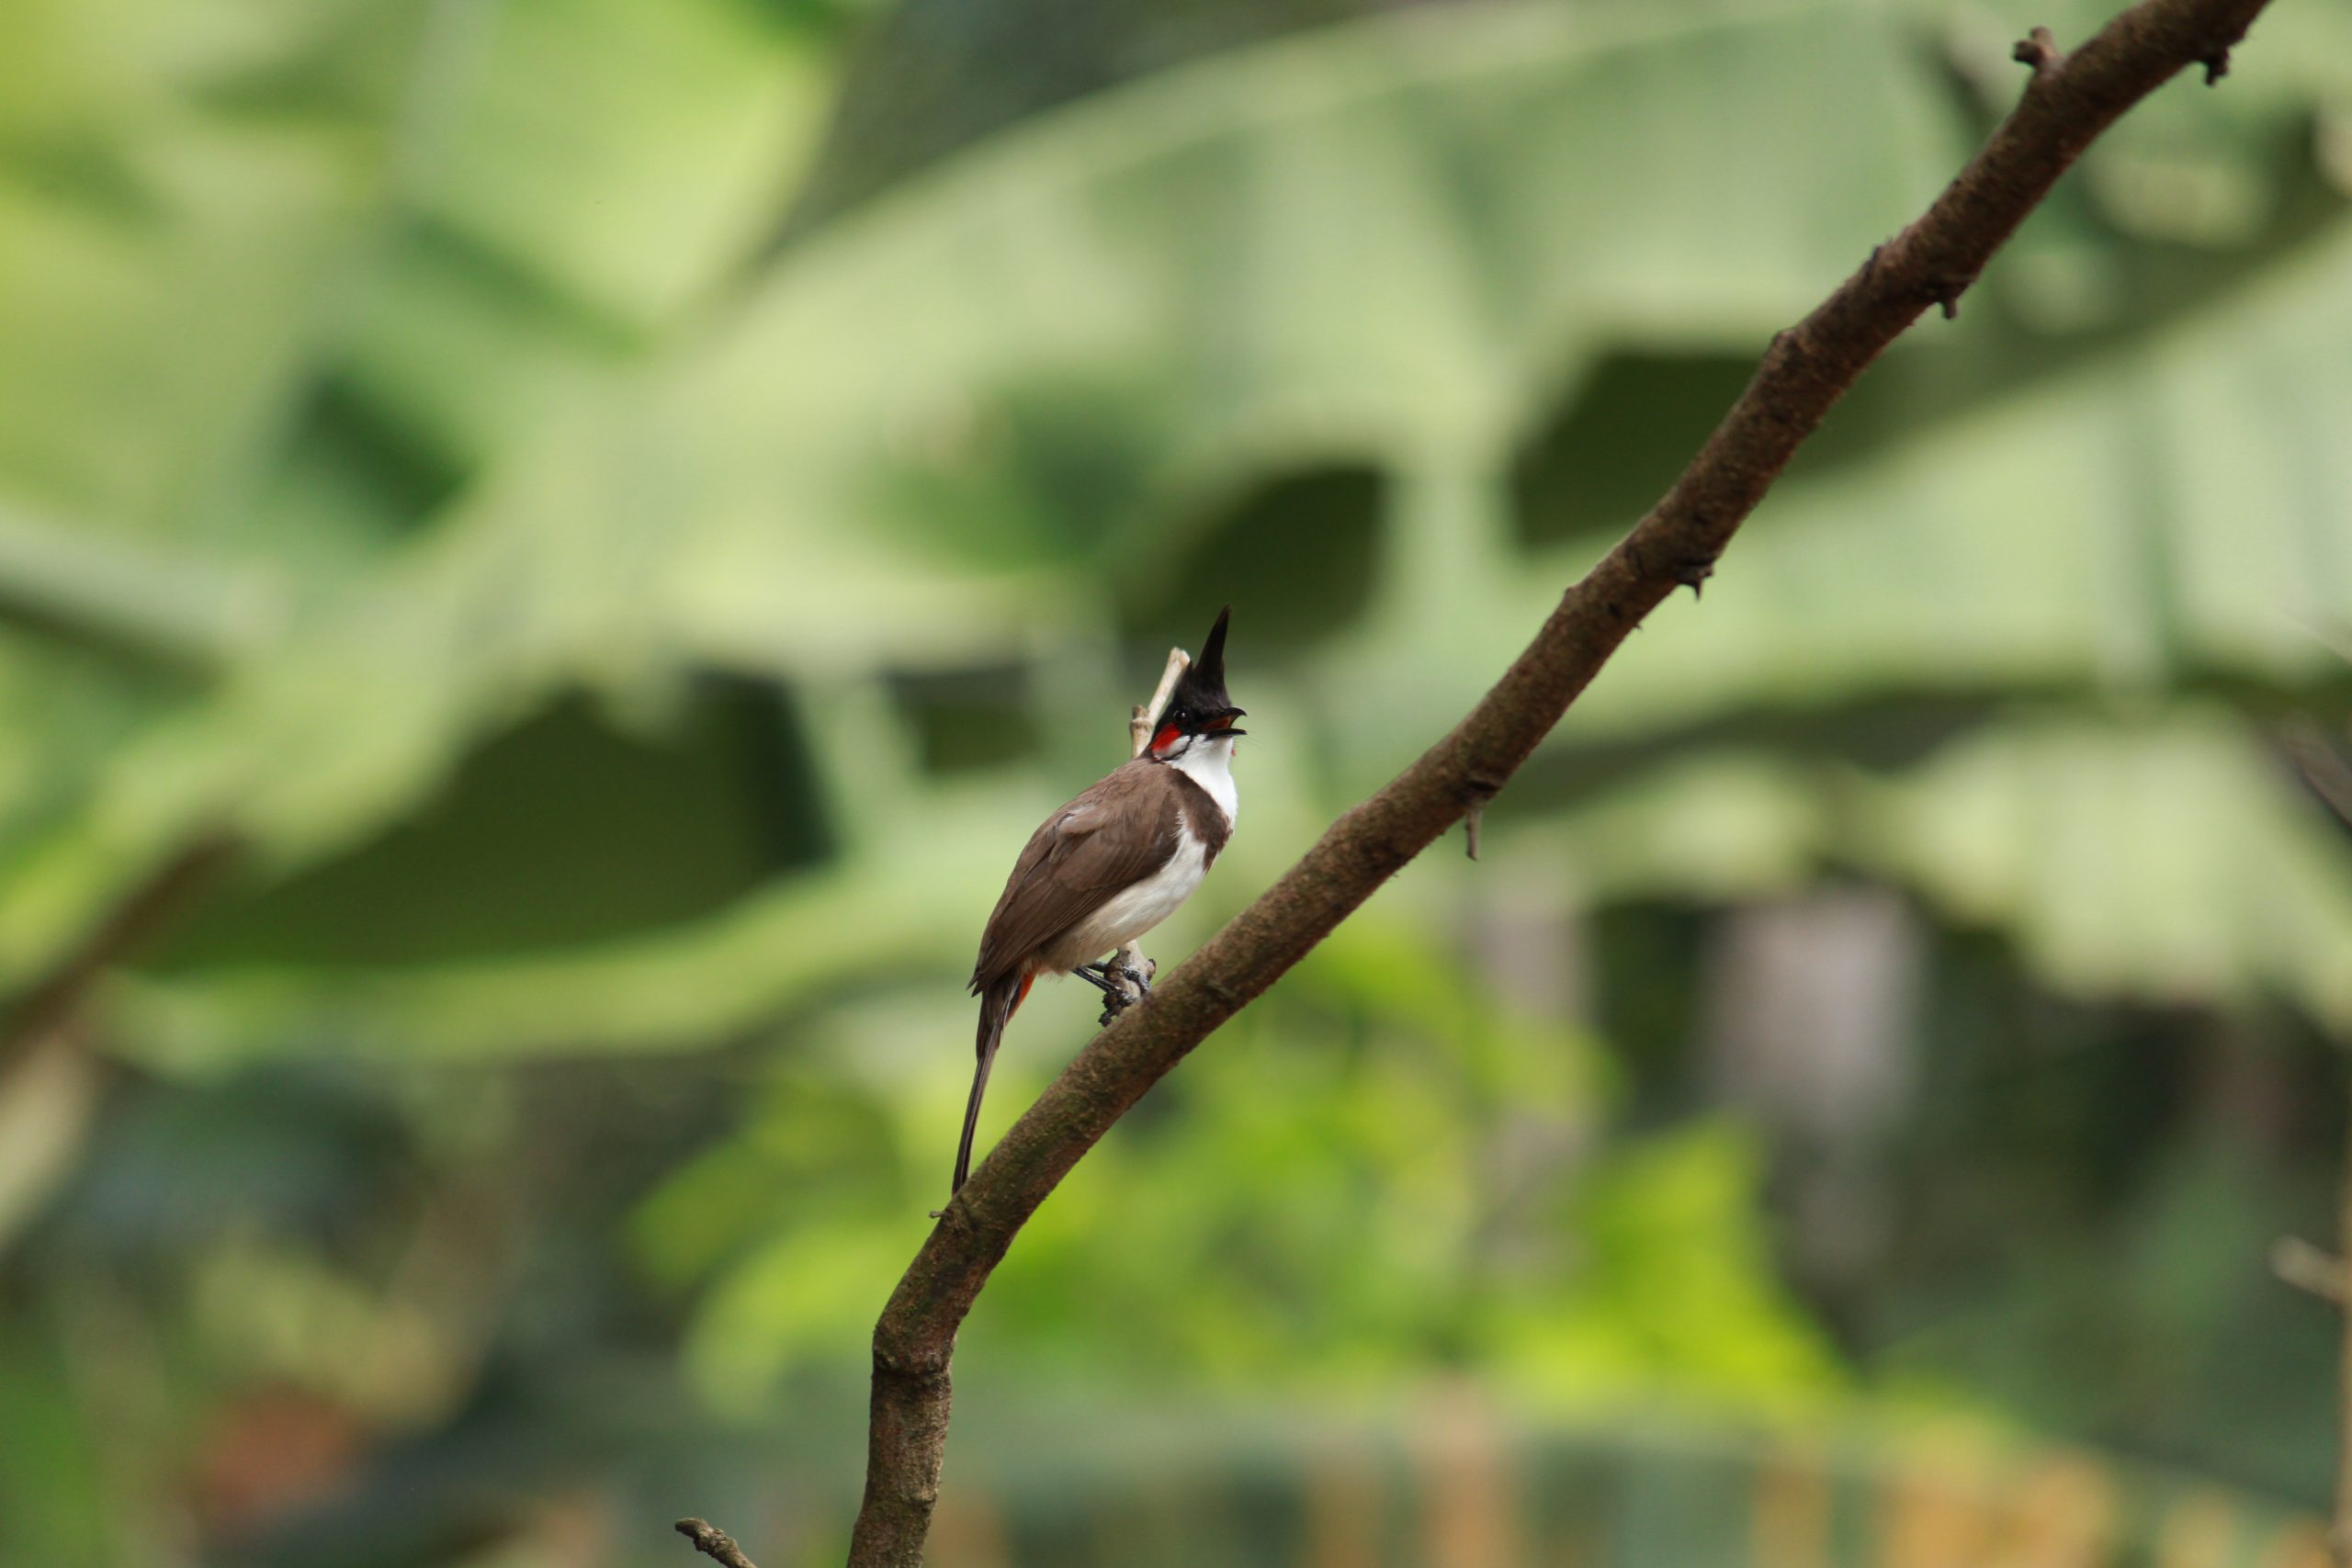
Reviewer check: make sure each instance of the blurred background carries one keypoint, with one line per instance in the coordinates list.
(551, 552)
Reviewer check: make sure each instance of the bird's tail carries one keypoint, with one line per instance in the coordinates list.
(998, 1003)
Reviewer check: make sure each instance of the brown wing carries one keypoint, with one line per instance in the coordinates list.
(1120, 831)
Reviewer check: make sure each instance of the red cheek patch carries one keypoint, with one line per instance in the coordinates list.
(1167, 737)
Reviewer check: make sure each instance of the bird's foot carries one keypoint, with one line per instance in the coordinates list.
(1127, 980)
(1118, 995)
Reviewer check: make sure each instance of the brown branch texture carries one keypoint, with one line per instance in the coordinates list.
(713, 1542)
(2067, 101)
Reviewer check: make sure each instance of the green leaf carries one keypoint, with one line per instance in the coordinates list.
(2172, 859)
(796, 492)
(171, 217)
(2166, 858)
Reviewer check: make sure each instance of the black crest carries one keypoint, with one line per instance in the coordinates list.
(1201, 687)
(1200, 701)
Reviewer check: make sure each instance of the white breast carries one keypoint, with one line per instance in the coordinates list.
(1208, 762)
(1140, 906)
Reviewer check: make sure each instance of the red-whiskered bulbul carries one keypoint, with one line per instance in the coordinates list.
(1112, 864)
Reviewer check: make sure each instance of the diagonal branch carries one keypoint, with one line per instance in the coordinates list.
(141, 912)
(1140, 725)
(2068, 100)
(713, 1542)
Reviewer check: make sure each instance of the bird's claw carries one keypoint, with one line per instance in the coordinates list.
(1115, 1002)
(1131, 977)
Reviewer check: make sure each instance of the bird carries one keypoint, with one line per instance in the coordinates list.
(1109, 865)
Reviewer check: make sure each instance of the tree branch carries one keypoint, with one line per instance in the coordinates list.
(1140, 723)
(2068, 100)
(144, 908)
(713, 1542)
(2298, 1263)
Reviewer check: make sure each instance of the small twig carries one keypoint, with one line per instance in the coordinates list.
(133, 919)
(714, 1543)
(2323, 771)
(2037, 48)
(2307, 1267)
(1482, 788)
(1139, 726)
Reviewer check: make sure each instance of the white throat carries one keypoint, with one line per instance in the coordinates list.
(1207, 760)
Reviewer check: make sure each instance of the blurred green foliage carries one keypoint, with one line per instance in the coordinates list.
(632, 511)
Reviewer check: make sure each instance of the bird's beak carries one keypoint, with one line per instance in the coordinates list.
(1225, 721)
